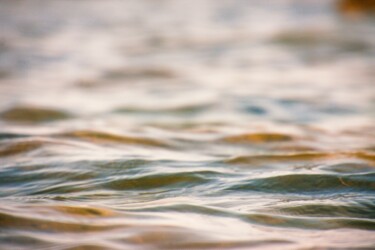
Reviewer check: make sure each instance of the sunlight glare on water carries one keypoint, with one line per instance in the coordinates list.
(160, 124)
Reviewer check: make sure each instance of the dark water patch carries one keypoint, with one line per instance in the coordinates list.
(256, 110)
(348, 167)
(314, 184)
(36, 179)
(99, 137)
(350, 209)
(29, 114)
(286, 157)
(310, 223)
(69, 178)
(163, 181)
(303, 111)
(17, 240)
(6, 136)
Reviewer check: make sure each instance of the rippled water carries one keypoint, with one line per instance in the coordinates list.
(156, 124)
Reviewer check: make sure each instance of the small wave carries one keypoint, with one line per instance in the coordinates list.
(258, 138)
(311, 223)
(29, 114)
(244, 244)
(16, 221)
(286, 157)
(126, 75)
(162, 181)
(15, 148)
(104, 137)
(301, 157)
(312, 39)
(174, 110)
(309, 184)
(359, 209)
(23, 146)
(348, 167)
(35, 180)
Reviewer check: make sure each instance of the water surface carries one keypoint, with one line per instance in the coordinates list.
(159, 124)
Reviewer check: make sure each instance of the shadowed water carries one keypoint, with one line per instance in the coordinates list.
(159, 124)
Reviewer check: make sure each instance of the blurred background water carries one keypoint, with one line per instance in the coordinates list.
(160, 124)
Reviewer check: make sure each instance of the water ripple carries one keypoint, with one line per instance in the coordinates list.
(177, 125)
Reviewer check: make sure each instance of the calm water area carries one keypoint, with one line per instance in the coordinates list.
(176, 124)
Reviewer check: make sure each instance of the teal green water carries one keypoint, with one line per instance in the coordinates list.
(160, 124)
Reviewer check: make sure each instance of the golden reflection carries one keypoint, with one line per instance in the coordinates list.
(30, 114)
(258, 138)
(356, 7)
(103, 137)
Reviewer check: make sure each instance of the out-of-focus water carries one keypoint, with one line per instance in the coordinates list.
(156, 124)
